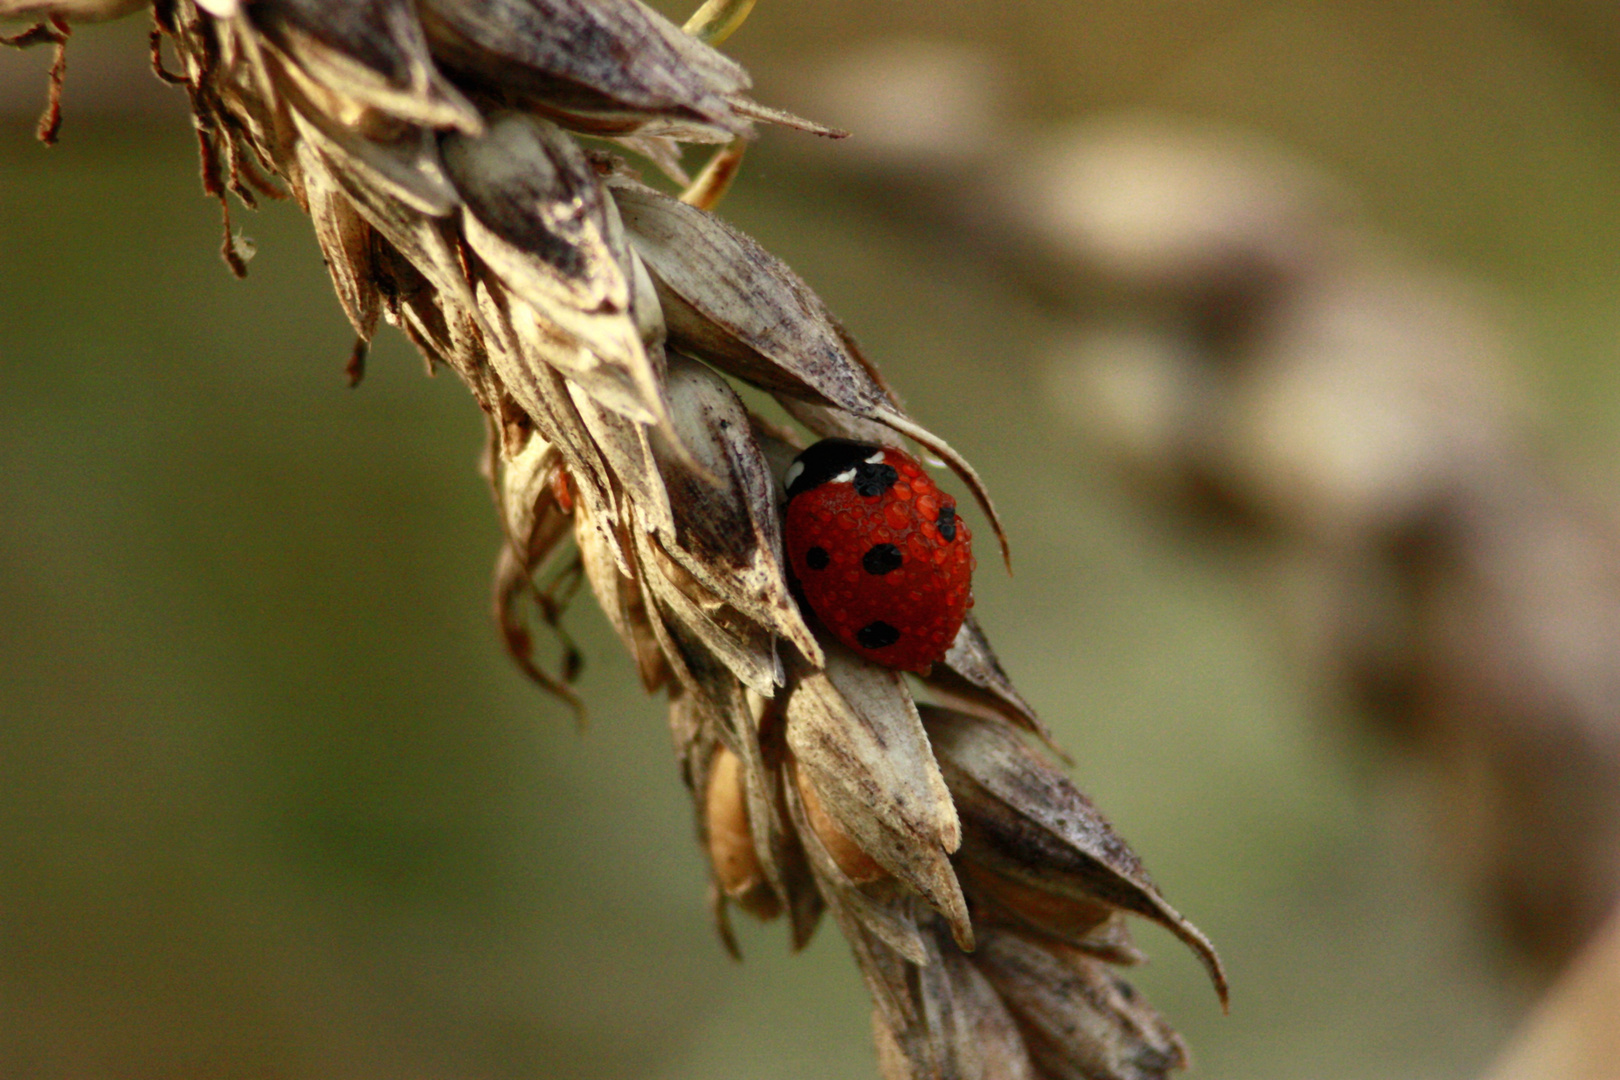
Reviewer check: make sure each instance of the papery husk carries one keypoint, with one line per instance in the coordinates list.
(1026, 821)
(963, 1028)
(1080, 1020)
(857, 736)
(544, 54)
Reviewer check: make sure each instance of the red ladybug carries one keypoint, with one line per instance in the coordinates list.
(878, 552)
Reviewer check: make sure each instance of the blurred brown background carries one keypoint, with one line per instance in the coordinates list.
(273, 804)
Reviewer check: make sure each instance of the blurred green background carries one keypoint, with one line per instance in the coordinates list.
(273, 804)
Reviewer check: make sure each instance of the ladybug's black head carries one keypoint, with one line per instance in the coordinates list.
(829, 461)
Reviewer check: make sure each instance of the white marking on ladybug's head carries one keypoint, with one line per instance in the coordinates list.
(845, 477)
(875, 459)
(795, 471)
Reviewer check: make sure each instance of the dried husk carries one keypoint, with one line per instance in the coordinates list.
(857, 737)
(1081, 1021)
(1025, 821)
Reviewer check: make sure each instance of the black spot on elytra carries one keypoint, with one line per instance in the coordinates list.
(816, 558)
(872, 480)
(877, 635)
(881, 558)
(947, 522)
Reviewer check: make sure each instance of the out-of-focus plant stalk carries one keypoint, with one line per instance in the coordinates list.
(717, 20)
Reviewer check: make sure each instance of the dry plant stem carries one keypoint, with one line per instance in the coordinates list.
(54, 31)
(599, 324)
(711, 185)
(1574, 1033)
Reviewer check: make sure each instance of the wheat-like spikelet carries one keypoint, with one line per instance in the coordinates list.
(597, 322)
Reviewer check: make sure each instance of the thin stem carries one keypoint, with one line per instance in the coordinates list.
(717, 20)
(712, 183)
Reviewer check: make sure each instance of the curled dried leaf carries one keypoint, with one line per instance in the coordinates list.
(972, 672)
(535, 521)
(535, 525)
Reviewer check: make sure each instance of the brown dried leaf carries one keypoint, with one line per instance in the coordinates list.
(729, 301)
(878, 907)
(534, 522)
(545, 396)
(712, 631)
(424, 250)
(512, 583)
(620, 596)
(395, 159)
(744, 106)
(965, 1031)
(346, 241)
(626, 447)
(881, 933)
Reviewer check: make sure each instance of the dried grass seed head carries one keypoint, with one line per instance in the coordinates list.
(430, 143)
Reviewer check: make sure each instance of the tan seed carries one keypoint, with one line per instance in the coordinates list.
(856, 864)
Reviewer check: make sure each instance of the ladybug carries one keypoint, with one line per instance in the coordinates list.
(877, 552)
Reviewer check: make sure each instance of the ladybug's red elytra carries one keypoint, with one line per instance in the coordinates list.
(878, 552)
